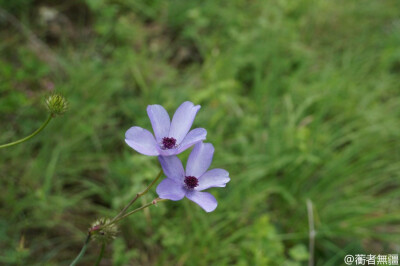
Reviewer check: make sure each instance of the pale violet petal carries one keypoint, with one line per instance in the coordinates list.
(160, 121)
(172, 167)
(213, 178)
(199, 159)
(194, 136)
(182, 121)
(142, 141)
(169, 189)
(169, 152)
(204, 199)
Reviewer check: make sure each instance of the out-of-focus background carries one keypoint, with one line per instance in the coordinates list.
(301, 100)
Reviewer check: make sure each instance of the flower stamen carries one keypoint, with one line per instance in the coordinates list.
(191, 182)
(168, 143)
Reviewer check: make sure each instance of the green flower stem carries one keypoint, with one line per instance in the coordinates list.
(153, 202)
(28, 137)
(117, 218)
(83, 250)
(101, 254)
(138, 195)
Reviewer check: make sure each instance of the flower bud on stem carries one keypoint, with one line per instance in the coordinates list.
(105, 230)
(56, 105)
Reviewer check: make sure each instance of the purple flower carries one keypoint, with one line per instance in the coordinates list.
(171, 137)
(179, 183)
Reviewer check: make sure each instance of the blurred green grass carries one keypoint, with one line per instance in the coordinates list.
(300, 99)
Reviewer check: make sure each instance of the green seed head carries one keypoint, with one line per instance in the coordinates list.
(56, 104)
(103, 231)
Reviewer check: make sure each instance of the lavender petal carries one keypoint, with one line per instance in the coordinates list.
(199, 159)
(169, 189)
(182, 120)
(160, 121)
(142, 141)
(194, 136)
(204, 199)
(213, 178)
(172, 167)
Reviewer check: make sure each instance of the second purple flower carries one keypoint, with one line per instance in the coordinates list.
(191, 183)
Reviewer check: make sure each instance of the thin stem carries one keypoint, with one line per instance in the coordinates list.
(28, 137)
(83, 250)
(101, 254)
(138, 195)
(153, 202)
(117, 218)
(312, 231)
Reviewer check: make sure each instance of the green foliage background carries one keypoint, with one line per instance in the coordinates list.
(301, 100)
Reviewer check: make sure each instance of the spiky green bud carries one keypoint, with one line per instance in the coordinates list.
(103, 231)
(56, 104)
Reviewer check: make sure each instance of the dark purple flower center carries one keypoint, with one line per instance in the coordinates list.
(191, 182)
(168, 143)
